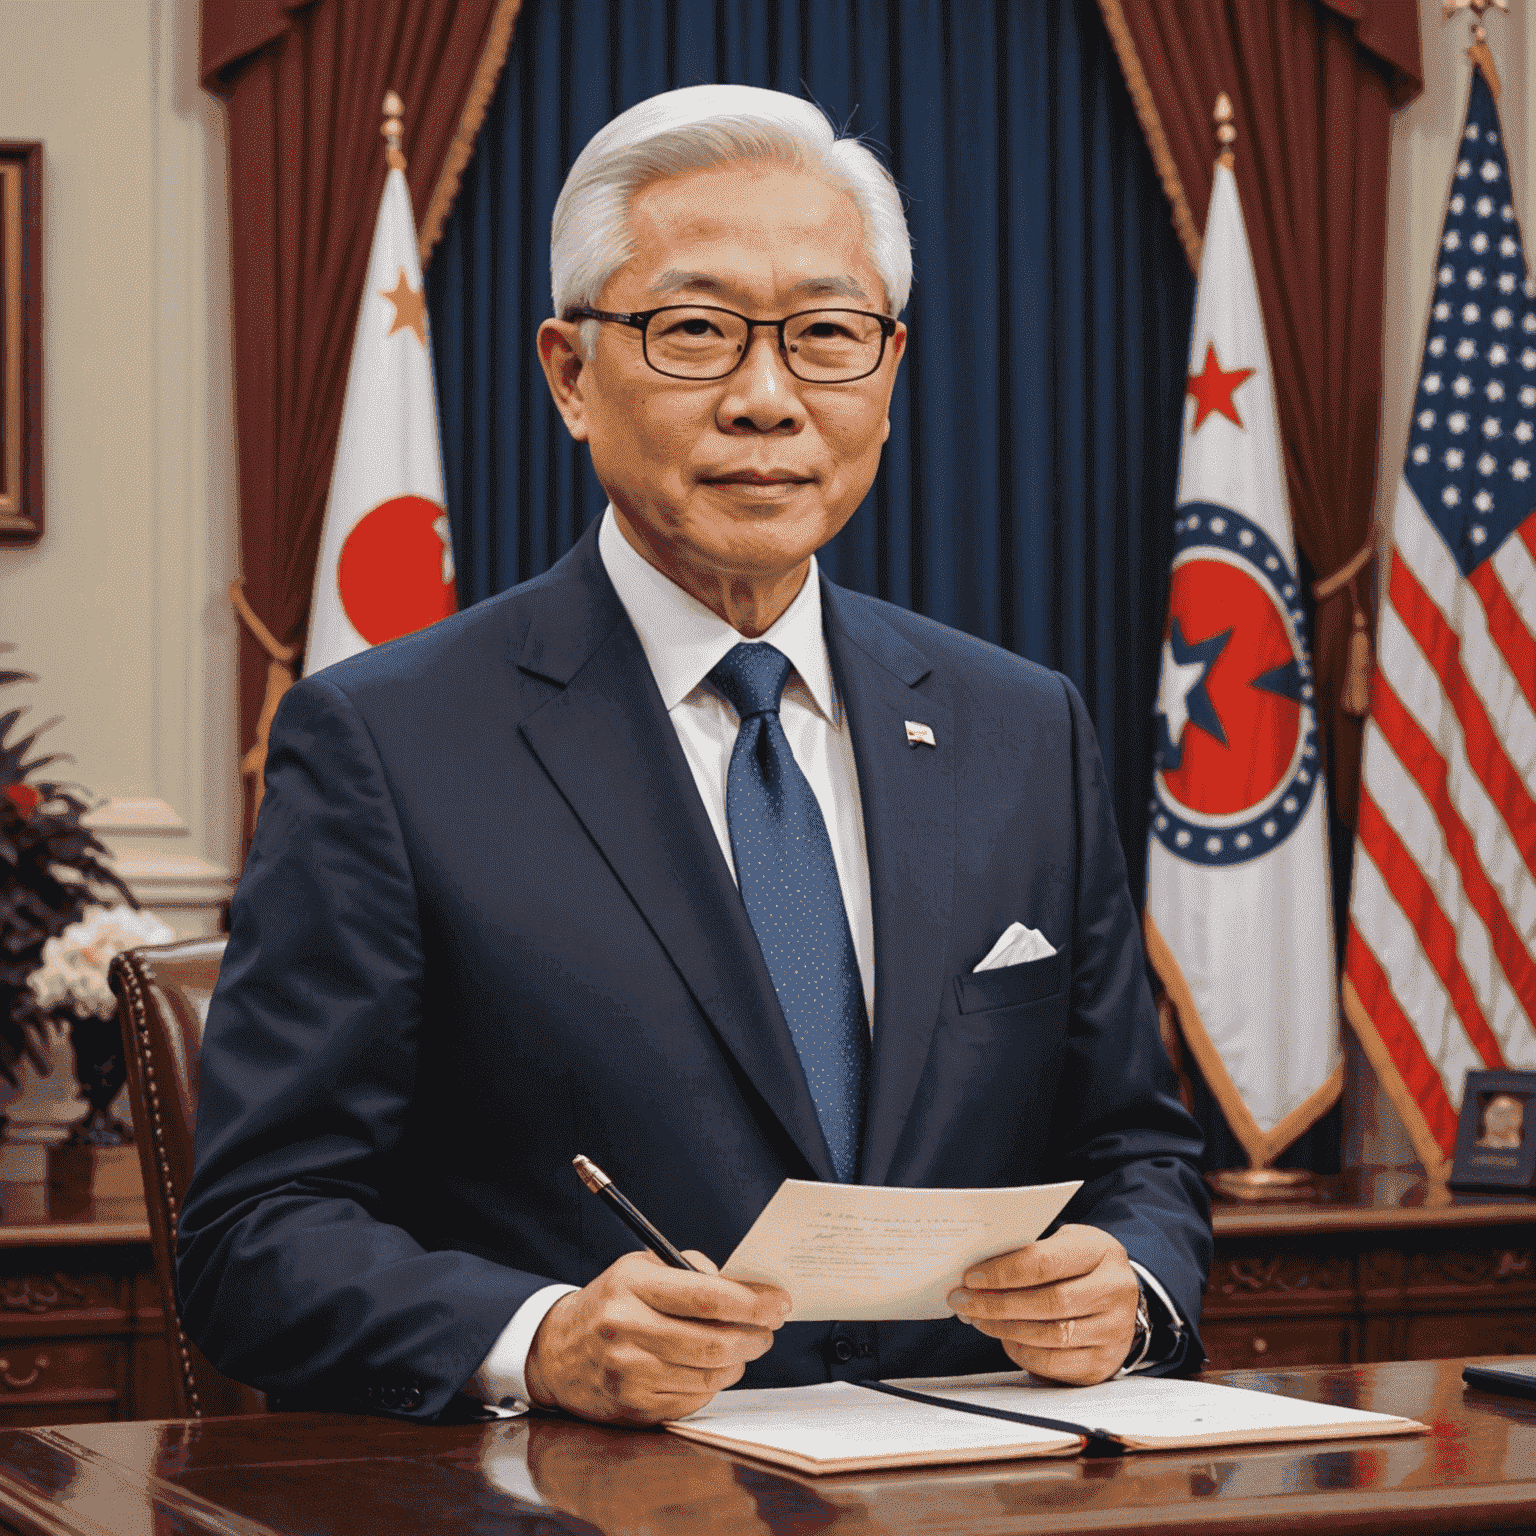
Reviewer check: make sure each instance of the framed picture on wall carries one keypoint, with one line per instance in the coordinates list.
(21, 343)
(1496, 1135)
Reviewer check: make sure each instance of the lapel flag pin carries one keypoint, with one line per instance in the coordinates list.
(918, 732)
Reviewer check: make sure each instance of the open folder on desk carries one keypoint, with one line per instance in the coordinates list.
(844, 1426)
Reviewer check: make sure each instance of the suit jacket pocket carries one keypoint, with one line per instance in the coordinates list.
(1008, 984)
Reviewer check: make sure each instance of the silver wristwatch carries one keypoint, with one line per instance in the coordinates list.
(1142, 1337)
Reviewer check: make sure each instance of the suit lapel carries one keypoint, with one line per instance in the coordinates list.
(607, 743)
(908, 794)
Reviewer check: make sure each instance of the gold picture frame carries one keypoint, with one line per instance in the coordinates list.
(21, 343)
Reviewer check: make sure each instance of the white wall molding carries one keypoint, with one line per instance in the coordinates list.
(136, 814)
(186, 882)
(149, 842)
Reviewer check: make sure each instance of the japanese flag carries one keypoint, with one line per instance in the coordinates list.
(386, 559)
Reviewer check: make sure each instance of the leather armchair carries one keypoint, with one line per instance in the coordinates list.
(163, 993)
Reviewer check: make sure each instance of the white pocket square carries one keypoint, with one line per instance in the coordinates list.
(1016, 945)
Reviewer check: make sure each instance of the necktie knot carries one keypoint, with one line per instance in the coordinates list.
(752, 677)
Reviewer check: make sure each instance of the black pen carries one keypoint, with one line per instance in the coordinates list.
(600, 1184)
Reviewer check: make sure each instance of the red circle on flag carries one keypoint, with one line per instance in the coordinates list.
(1263, 730)
(390, 574)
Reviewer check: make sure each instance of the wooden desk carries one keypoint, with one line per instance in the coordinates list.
(335, 1475)
(1376, 1268)
(82, 1335)
(1367, 1272)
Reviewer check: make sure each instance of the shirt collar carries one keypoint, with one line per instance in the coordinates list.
(683, 640)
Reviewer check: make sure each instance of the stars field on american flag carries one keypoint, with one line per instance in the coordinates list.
(1472, 447)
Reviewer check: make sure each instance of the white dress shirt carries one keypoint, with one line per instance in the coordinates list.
(683, 640)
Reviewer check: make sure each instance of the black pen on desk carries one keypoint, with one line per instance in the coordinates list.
(600, 1184)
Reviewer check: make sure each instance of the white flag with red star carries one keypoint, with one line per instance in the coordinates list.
(386, 559)
(1239, 911)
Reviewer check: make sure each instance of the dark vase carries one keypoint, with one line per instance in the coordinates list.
(101, 1071)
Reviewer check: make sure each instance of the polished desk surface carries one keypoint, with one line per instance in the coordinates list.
(324, 1475)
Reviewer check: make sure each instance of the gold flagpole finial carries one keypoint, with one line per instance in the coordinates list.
(393, 131)
(1226, 134)
(1479, 52)
(1478, 8)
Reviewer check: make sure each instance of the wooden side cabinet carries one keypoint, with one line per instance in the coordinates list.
(1267, 1305)
(82, 1335)
(1353, 1280)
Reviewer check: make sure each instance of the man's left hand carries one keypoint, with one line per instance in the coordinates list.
(1063, 1308)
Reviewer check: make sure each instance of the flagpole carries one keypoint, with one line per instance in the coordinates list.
(1258, 1182)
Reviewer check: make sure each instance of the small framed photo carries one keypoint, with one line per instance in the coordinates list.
(1496, 1135)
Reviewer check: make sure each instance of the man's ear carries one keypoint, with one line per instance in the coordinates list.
(897, 346)
(560, 354)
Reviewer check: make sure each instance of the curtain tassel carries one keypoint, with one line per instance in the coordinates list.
(1355, 696)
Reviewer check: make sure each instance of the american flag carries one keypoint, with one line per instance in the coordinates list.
(1440, 969)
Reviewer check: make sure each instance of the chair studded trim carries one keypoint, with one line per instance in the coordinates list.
(134, 978)
(163, 993)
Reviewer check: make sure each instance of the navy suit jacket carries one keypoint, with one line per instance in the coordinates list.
(485, 925)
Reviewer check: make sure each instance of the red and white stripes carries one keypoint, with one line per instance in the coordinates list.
(1441, 958)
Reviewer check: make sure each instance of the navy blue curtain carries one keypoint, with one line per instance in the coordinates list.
(1027, 490)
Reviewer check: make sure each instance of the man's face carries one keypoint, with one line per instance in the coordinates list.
(734, 480)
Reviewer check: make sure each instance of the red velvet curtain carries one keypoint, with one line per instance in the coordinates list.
(1313, 85)
(304, 83)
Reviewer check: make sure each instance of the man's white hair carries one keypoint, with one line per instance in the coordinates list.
(693, 129)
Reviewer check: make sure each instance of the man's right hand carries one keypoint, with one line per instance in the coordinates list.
(644, 1342)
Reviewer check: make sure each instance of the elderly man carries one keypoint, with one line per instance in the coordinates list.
(681, 857)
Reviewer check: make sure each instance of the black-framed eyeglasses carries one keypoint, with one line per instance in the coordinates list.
(701, 342)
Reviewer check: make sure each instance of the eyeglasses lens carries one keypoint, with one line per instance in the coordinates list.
(822, 346)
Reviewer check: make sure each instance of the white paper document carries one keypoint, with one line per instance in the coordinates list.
(844, 1427)
(1148, 1412)
(839, 1426)
(868, 1253)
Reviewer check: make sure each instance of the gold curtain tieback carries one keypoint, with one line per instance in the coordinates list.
(280, 678)
(1355, 696)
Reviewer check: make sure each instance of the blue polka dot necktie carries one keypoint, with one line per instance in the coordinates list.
(789, 883)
